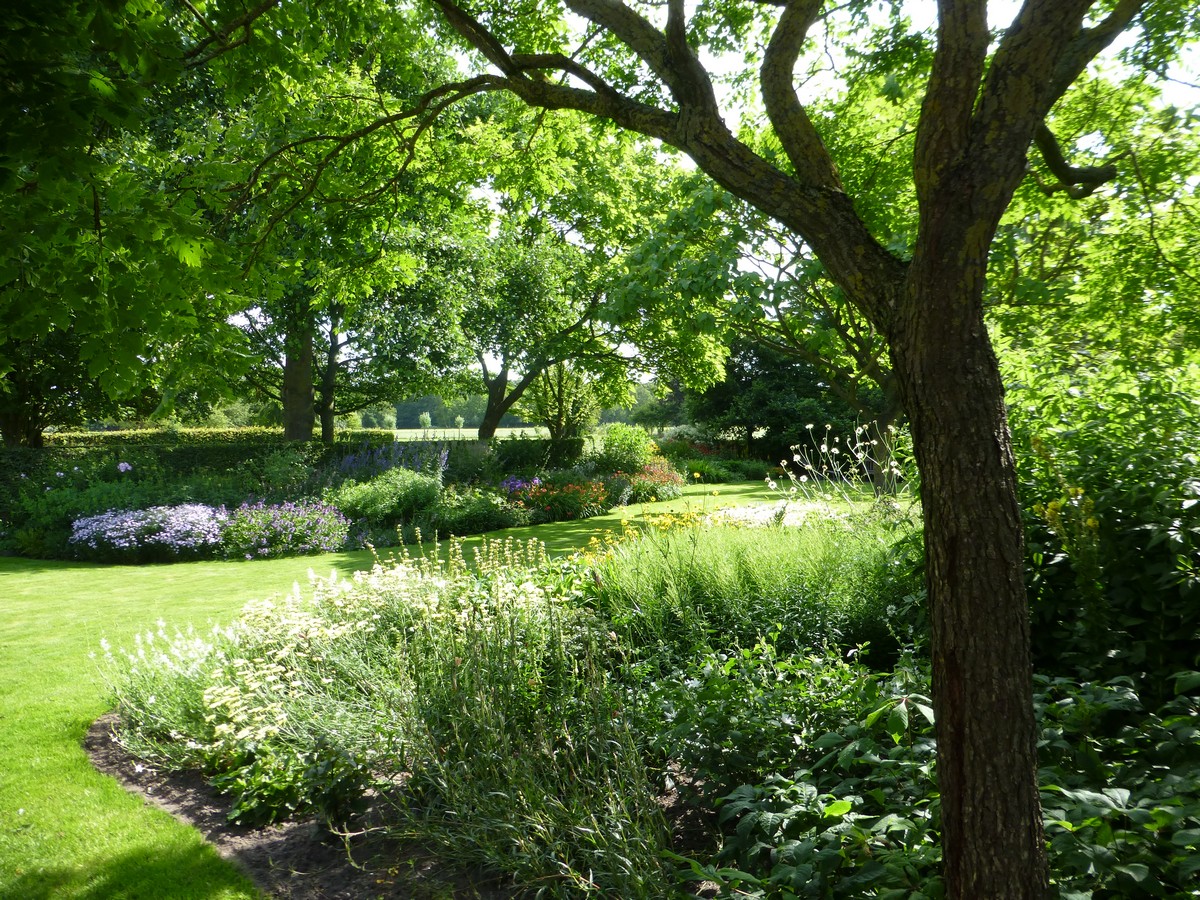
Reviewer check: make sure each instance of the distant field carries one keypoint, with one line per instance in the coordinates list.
(459, 434)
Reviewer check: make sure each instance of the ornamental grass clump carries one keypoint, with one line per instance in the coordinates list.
(475, 702)
(262, 531)
(157, 534)
(676, 590)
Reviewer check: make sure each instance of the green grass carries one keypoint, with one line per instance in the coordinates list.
(67, 831)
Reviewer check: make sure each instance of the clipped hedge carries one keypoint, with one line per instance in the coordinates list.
(260, 435)
(521, 456)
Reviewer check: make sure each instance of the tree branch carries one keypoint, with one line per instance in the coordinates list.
(801, 143)
(197, 55)
(944, 129)
(1090, 41)
(1076, 181)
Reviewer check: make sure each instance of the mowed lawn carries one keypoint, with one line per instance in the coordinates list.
(66, 830)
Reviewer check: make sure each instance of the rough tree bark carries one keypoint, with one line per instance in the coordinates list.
(297, 391)
(501, 396)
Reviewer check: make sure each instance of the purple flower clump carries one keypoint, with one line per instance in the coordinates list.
(512, 484)
(259, 530)
(141, 535)
(428, 457)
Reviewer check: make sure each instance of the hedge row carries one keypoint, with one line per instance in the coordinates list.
(182, 453)
(159, 437)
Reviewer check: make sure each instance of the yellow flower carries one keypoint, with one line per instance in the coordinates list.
(696, 475)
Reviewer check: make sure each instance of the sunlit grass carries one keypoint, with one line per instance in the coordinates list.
(67, 831)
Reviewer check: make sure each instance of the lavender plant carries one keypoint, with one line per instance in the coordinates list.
(426, 457)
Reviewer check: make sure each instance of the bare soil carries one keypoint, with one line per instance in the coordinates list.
(302, 860)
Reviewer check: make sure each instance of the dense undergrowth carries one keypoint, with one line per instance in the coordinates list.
(526, 713)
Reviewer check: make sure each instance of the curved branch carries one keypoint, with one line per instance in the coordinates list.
(794, 129)
(538, 62)
(200, 54)
(1090, 41)
(634, 31)
(1077, 181)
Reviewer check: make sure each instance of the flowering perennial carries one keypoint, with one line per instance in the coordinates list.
(259, 531)
(195, 531)
(160, 533)
(555, 502)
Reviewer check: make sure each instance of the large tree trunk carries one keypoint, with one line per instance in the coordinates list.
(987, 756)
(19, 427)
(327, 393)
(297, 393)
(500, 399)
(494, 412)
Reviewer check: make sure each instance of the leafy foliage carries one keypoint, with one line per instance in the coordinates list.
(262, 531)
(624, 448)
(395, 496)
(1114, 537)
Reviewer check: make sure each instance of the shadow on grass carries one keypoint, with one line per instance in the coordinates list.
(560, 538)
(194, 873)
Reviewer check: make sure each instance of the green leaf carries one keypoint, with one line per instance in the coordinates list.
(838, 808)
(1186, 682)
(897, 723)
(1188, 837)
(1139, 872)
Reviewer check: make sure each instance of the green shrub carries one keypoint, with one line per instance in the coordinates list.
(710, 471)
(522, 455)
(1113, 535)
(470, 462)
(624, 448)
(748, 469)
(43, 511)
(463, 511)
(677, 449)
(259, 531)
(393, 497)
(656, 480)
(841, 799)
(286, 474)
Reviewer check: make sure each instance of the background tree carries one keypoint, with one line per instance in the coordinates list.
(103, 238)
(766, 400)
(567, 401)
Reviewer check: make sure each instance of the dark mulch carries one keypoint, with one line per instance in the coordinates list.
(303, 861)
(295, 860)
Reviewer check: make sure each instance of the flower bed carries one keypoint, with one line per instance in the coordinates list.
(196, 531)
(555, 501)
(157, 534)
